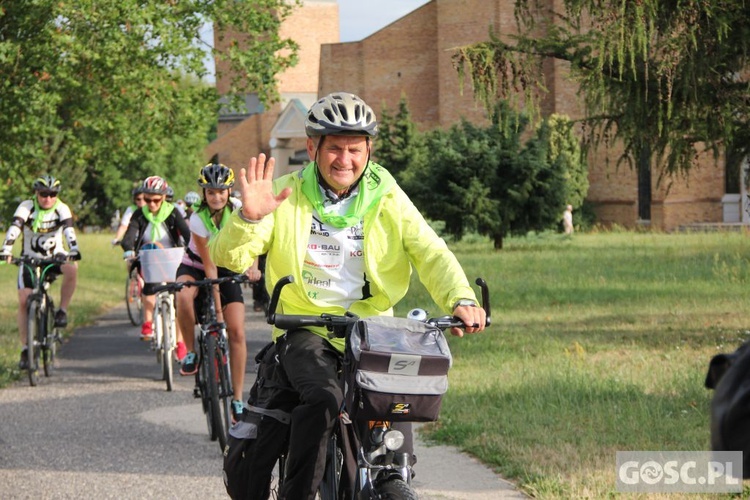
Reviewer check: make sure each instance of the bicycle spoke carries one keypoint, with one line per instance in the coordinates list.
(33, 325)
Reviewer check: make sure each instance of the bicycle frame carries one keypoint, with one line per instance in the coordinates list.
(213, 341)
(41, 334)
(383, 470)
(165, 333)
(213, 378)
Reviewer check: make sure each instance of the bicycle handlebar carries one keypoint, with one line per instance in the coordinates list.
(40, 262)
(179, 285)
(336, 323)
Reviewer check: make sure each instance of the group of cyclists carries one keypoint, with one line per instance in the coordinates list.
(153, 220)
(160, 223)
(341, 226)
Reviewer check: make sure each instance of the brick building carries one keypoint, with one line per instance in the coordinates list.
(412, 57)
(279, 130)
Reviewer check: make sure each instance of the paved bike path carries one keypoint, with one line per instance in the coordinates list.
(105, 427)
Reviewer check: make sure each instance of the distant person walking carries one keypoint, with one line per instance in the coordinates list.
(568, 219)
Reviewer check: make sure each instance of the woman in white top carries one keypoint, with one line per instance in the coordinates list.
(128, 214)
(216, 180)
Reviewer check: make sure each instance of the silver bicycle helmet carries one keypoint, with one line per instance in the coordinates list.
(192, 198)
(341, 113)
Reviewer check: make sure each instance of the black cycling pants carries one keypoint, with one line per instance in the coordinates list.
(311, 365)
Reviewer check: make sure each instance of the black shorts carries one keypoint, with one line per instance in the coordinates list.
(25, 280)
(229, 292)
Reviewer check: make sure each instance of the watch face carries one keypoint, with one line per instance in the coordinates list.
(466, 302)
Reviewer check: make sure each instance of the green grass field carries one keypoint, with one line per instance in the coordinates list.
(599, 343)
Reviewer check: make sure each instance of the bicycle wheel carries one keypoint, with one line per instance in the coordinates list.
(32, 344)
(225, 391)
(212, 390)
(133, 298)
(201, 382)
(395, 488)
(158, 326)
(49, 339)
(167, 343)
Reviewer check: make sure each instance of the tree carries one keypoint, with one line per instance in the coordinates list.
(103, 93)
(483, 179)
(399, 142)
(565, 151)
(666, 78)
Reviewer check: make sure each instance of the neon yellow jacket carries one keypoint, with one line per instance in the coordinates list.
(396, 237)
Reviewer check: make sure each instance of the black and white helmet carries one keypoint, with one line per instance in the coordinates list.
(341, 113)
(47, 183)
(216, 176)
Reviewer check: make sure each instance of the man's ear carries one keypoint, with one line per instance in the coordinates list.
(311, 146)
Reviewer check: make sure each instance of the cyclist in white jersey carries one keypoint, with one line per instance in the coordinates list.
(217, 206)
(128, 214)
(192, 203)
(43, 221)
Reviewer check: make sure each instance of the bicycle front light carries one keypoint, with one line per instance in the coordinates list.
(393, 439)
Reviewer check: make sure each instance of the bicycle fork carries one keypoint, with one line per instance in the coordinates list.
(379, 455)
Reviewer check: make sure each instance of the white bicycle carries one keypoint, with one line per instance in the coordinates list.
(159, 266)
(165, 334)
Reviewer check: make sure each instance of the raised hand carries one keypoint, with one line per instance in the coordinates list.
(256, 185)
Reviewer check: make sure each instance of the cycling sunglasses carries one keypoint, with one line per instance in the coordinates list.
(47, 194)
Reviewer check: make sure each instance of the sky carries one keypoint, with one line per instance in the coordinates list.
(361, 18)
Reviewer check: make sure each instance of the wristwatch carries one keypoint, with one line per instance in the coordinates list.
(465, 302)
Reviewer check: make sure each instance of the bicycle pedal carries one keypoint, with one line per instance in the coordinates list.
(196, 393)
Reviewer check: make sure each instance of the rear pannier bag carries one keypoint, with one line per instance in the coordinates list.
(396, 370)
(256, 442)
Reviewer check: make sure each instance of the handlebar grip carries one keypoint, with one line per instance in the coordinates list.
(291, 322)
(173, 286)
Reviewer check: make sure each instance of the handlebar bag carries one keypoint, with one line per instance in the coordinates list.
(395, 369)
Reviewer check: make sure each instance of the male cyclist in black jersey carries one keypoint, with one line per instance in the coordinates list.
(43, 221)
